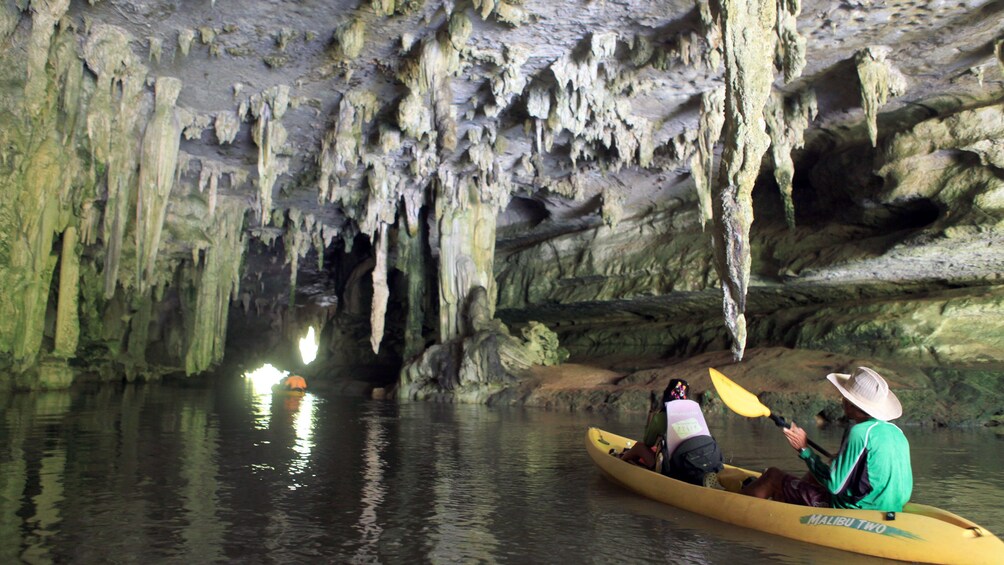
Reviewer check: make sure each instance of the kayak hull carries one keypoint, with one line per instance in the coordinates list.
(919, 533)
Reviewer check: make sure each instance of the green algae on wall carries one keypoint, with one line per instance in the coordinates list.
(215, 280)
(411, 261)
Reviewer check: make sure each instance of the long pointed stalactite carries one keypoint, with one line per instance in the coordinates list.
(703, 160)
(787, 120)
(159, 161)
(747, 27)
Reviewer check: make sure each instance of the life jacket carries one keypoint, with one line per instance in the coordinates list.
(684, 419)
(690, 451)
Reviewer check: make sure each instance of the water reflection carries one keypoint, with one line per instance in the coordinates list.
(39, 473)
(373, 487)
(155, 473)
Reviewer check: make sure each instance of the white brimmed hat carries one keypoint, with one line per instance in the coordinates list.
(867, 390)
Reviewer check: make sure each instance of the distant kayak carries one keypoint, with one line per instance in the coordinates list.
(919, 533)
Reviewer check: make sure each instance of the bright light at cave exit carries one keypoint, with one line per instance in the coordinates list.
(308, 347)
(264, 377)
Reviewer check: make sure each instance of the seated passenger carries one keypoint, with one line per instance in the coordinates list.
(681, 434)
(293, 382)
(871, 471)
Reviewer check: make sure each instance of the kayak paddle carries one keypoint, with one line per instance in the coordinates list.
(745, 403)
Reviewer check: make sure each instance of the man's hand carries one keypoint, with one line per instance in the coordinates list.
(796, 437)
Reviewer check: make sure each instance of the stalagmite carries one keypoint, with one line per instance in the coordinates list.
(879, 79)
(466, 219)
(67, 320)
(786, 123)
(157, 167)
(703, 161)
(749, 54)
(380, 291)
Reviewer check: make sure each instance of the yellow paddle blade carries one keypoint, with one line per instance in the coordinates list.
(740, 400)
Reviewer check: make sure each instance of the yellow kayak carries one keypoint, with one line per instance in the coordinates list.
(919, 533)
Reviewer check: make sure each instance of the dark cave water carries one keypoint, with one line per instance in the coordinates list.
(161, 473)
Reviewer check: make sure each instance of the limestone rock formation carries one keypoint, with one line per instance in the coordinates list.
(189, 183)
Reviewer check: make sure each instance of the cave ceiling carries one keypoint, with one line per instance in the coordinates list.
(657, 72)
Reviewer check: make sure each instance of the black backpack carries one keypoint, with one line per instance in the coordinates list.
(692, 459)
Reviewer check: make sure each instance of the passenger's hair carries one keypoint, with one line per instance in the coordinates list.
(677, 389)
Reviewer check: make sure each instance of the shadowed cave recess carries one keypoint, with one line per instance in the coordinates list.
(551, 203)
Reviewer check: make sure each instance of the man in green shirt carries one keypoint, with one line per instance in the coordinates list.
(872, 469)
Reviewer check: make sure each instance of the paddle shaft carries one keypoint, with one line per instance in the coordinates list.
(781, 422)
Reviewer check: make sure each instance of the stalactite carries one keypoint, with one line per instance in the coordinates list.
(139, 332)
(158, 163)
(749, 52)
(428, 75)
(466, 220)
(296, 241)
(510, 81)
(411, 261)
(226, 125)
(712, 31)
(156, 49)
(786, 123)
(790, 45)
(612, 209)
(9, 17)
(590, 100)
(879, 79)
(702, 163)
(342, 145)
(31, 252)
(67, 320)
(269, 135)
(381, 293)
(112, 123)
(999, 50)
(45, 15)
(381, 205)
(185, 39)
(350, 39)
(216, 282)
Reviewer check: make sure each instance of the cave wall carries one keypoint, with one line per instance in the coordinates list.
(650, 181)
